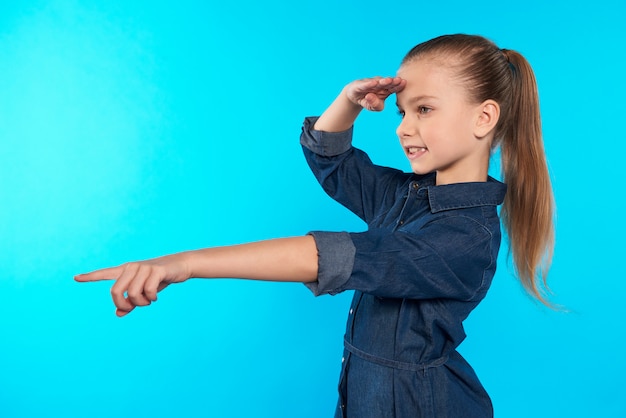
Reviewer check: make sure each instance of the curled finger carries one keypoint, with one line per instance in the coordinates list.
(136, 288)
(119, 289)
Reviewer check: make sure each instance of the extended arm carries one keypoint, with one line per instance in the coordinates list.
(137, 283)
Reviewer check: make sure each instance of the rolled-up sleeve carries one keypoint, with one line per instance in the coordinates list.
(327, 144)
(335, 251)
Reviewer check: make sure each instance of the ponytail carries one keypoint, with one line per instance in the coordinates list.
(528, 209)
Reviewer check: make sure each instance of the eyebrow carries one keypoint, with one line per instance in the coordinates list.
(416, 99)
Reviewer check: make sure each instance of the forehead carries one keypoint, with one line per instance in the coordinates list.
(427, 78)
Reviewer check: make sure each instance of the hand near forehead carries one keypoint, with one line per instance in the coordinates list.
(137, 283)
(371, 93)
(367, 93)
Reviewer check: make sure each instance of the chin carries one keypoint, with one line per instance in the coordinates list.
(420, 171)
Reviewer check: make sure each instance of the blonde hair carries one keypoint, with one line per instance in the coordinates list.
(488, 72)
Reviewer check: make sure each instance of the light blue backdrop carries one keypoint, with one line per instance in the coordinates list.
(130, 130)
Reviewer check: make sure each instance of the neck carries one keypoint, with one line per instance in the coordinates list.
(473, 171)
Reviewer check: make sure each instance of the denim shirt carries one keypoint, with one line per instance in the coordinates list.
(426, 260)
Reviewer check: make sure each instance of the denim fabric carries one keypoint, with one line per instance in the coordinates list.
(426, 260)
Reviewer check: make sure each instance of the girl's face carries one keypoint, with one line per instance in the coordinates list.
(439, 125)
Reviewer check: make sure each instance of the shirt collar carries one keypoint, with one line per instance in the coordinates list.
(462, 195)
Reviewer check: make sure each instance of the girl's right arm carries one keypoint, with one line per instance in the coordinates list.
(136, 284)
(369, 93)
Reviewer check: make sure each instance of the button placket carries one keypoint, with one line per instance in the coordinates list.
(413, 187)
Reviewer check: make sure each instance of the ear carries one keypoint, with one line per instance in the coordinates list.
(488, 116)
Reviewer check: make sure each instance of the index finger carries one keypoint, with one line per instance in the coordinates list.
(111, 273)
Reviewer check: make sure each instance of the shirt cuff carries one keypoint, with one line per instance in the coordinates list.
(335, 252)
(327, 144)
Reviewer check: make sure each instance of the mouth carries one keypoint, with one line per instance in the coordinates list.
(415, 152)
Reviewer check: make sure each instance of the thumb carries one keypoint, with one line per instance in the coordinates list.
(373, 102)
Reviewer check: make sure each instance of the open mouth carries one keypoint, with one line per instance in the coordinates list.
(414, 152)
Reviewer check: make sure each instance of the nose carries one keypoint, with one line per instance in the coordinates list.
(406, 128)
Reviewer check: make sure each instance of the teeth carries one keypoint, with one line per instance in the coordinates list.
(413, 150)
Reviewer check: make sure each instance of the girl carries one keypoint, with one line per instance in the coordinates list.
(429, 254)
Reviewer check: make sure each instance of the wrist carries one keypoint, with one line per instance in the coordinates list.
(188, 265)
(349, 103)
(340, 115)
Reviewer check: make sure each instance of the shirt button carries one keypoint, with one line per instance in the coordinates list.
(416, 186)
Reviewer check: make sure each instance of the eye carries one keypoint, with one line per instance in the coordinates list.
(400, 112)
(422, 110)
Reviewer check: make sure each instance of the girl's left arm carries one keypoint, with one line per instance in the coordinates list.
(136, 284)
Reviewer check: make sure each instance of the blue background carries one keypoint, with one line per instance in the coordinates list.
(129, 130)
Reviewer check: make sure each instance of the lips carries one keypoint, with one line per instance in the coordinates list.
(415, 152)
